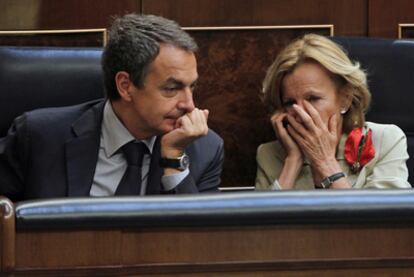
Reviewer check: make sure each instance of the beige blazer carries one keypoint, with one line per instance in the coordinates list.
(387, 169)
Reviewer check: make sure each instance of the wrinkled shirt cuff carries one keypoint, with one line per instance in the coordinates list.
(275, 185)
(170, 182)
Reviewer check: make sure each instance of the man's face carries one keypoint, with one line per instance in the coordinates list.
(167, 93)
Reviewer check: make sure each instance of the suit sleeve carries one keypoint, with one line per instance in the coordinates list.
(209, 178)
(13, 160)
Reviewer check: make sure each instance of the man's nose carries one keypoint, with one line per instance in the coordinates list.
(187, 101)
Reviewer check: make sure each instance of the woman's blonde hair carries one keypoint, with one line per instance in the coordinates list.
(348, 76)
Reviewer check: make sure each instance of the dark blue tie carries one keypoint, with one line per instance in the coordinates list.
(130, 183)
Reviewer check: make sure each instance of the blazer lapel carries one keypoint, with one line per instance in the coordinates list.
(155, 172)
(82, 151)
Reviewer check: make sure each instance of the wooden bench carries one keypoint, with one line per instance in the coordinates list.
(318, 233)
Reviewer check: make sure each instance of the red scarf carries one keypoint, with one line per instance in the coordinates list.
(359, 149)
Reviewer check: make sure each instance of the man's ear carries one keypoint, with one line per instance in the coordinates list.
(123, 84)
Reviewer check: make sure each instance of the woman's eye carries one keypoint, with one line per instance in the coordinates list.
(288, 103)
(313, 98)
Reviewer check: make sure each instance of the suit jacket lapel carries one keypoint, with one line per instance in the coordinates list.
(82, 151)
(155, 172)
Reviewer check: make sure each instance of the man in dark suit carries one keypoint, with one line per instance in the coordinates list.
(150, 72)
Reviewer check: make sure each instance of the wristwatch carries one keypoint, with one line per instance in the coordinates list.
(327, 182)
(181, 163)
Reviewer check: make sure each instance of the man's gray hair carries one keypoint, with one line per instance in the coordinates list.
(134, 43)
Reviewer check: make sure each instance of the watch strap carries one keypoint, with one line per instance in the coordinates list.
(180, 163)
(327, 182)
(168, 162)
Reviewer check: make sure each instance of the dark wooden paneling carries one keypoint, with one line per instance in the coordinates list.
(7, 235)
(65, 249)
(80, 39)
(407, 32)
(231, 66)
(68, 14)
(264, 250)
(348, 16)
(377, 268)
(384, 17)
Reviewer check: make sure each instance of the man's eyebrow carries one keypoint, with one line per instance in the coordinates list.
(173, 81)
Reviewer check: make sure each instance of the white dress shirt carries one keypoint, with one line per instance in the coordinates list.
(112, 164)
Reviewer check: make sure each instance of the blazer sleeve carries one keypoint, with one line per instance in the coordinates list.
(13, 160)
(263, 181)
(390, 169)
(269, 166)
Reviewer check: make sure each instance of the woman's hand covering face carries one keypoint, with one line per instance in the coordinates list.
(278, 121)
(316, 139)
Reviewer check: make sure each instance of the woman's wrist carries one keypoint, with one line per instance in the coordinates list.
(329, 168)
(326, 168)
(290, 172)
(294, 159)
(341, 183)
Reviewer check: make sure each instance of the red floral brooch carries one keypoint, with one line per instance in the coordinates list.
(359, 149)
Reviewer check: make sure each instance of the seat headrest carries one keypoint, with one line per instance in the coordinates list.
(36, 77)
(389, 65)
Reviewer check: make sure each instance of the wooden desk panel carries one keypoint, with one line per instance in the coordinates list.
(290, 233)
(7, 235)
(308, 250)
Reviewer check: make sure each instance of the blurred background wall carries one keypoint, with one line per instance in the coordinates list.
(373, 18)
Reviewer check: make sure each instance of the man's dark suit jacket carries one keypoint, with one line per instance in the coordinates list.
(53, 152)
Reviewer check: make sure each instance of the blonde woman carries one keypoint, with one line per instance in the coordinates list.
(319, 99)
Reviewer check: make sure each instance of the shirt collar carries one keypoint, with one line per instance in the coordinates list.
(114, 134)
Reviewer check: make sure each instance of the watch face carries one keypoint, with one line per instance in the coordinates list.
(185, 162)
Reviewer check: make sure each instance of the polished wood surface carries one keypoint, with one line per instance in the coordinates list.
(71, 38)
(384, 17)
(348, 16)
(7, 235)
(68, 14)
(406, 31)
(265, 250)
(376, 18)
